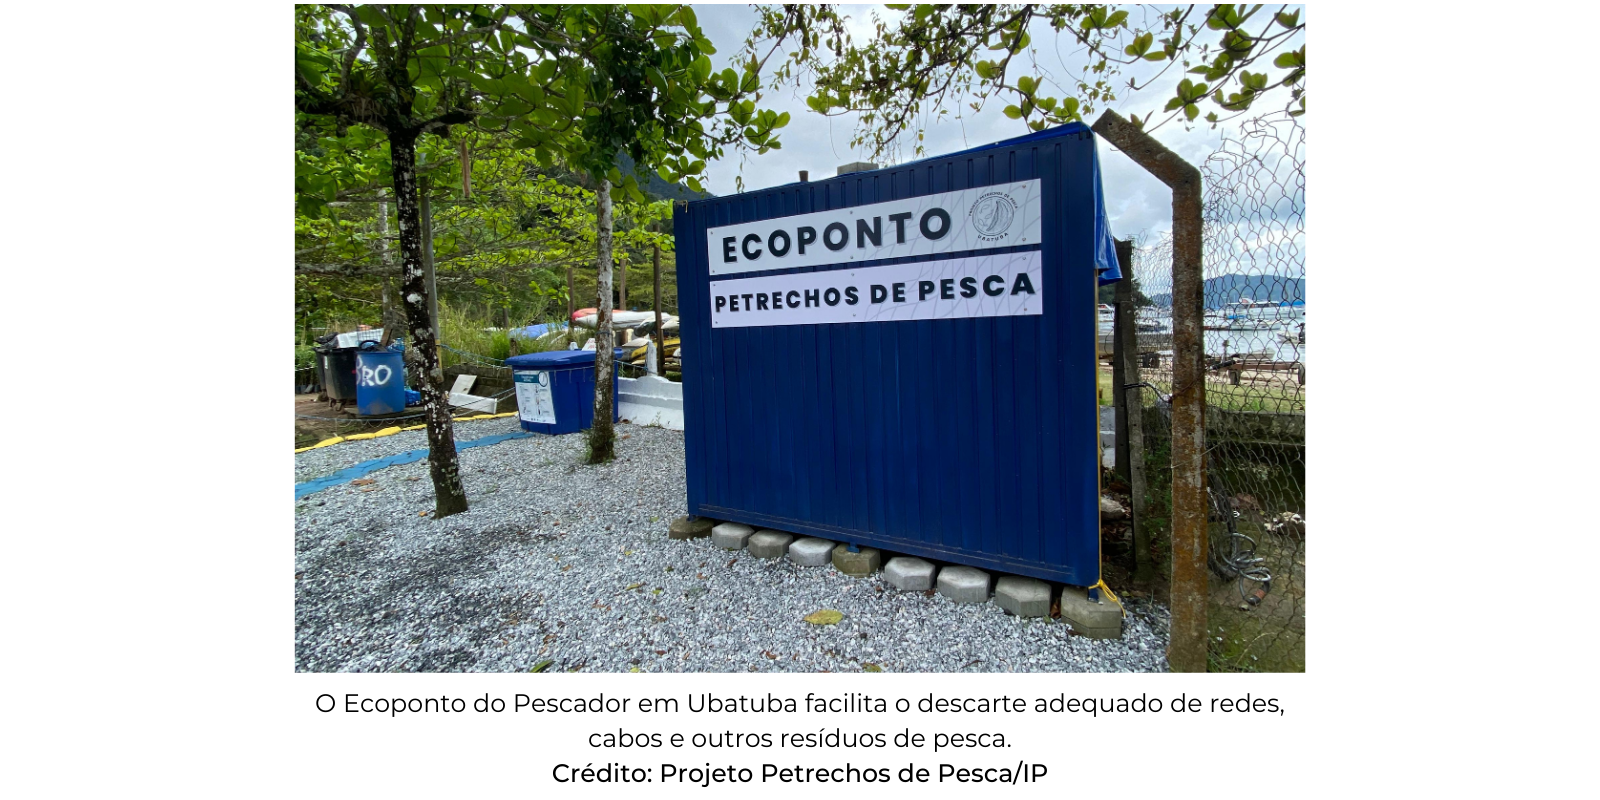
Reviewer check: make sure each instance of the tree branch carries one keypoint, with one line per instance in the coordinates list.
(356, 46)
(346, 270)
(457, 116)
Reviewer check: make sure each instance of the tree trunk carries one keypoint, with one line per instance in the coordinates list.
(602, 437)
(449, 498)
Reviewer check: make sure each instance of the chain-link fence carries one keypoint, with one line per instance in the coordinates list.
(1255, 357)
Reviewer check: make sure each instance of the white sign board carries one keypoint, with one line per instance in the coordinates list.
(355, 338)
(1010, 284)
(1003, 215)
(534, 400)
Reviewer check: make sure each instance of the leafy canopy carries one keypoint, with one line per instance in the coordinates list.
(570, 83)
(928, 59)
(506, 246)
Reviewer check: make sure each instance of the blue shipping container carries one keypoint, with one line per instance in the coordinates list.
(555, 390)
(905, 358)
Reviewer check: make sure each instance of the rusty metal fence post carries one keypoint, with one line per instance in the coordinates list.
(1186, 650)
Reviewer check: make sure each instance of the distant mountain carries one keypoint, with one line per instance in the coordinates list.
(652, 185)
(1225, 289)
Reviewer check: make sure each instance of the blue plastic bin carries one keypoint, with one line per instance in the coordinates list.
(380, 382)
(555, 390)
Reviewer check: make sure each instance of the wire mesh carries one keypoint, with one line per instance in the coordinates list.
(1255, 357)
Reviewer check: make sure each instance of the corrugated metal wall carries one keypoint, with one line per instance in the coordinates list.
(968, 440)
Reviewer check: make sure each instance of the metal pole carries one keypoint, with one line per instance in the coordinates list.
(622, 284)
(1186, 649)
(661, 336)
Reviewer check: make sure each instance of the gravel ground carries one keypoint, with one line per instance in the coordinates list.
(325, 460)
(571, 564)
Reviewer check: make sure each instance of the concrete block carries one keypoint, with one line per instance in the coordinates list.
(1102, 620)
(857, 565)
(964, 584)
(685, 528)
(810, 552)
(731, 535)
(769, 544)
(909, 574)
(1024, 597)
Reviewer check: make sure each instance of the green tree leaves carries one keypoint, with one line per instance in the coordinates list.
(923, 61)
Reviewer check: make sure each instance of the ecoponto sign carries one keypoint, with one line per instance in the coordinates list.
(1004, 215)
(980, 286)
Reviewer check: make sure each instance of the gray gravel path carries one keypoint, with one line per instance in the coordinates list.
(570, 564)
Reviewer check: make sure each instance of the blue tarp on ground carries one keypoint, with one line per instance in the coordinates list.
(360, 470)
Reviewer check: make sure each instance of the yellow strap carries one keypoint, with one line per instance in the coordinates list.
(1113, 595)
(356, 437)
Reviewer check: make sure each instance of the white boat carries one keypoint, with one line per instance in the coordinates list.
(1239, 324)
(619, 319)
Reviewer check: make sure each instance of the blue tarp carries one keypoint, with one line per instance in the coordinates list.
(410, 456)
(1105, 244)
(535, 331)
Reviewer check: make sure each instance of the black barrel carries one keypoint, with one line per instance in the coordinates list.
(339, 373)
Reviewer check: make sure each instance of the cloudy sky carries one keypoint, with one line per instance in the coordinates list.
(1136, 203)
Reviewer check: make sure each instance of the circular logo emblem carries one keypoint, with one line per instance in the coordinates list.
(993, 214)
